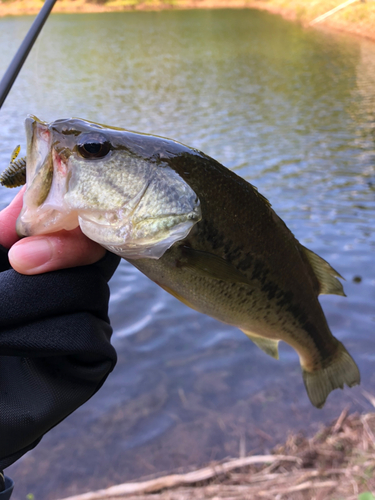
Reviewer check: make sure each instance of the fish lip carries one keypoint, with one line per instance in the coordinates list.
(38, 137)
(29, 130)
(32, 125)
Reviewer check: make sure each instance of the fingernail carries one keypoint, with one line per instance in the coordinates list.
(26, 256)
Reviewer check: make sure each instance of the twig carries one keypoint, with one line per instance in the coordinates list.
(175, 480)
(366, 427)
(340, 420)
(332, 11)
(369, 397)
(299, 487)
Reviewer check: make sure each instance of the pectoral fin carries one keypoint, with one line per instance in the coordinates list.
(269, 346)
(326, 275)
(211, 266)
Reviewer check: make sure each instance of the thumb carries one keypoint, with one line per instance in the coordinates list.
(60, 250)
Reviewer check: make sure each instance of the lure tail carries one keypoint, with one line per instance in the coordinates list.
(15, 174)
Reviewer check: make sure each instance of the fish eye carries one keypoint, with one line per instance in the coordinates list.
(94, 146)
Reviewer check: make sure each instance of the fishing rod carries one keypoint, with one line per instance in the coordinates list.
(25, 47)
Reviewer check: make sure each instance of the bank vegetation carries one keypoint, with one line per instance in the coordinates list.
(338, 463)
(354, 16)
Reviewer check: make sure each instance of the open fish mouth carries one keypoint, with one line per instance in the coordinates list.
(44, 209)
(80, 173)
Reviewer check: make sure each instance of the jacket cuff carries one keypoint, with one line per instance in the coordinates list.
(9, 485)
(4, 262)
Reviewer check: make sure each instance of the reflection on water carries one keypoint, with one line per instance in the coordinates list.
(291, 110)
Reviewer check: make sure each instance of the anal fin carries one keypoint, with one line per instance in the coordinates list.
(269, 346)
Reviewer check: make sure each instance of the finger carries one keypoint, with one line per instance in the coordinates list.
(8, 217)
(40, 254)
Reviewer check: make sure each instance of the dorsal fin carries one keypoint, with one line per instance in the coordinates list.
(326, 275)
(263, 198)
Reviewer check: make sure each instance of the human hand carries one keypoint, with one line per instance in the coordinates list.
(40, 254)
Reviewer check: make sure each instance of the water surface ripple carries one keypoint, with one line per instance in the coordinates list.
(290, 110)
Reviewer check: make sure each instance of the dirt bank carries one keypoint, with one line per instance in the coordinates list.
(357, 18)
(338, 463)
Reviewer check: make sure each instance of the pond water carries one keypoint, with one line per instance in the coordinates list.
(290, 110)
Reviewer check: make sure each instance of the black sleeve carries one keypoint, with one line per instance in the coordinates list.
(55, 350)
(7, 493)
(4, 262)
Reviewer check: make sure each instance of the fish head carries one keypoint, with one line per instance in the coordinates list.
(115, 184)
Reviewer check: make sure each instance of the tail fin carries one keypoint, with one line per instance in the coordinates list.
(340, 370)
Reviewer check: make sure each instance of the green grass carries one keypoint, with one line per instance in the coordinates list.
(367, 495)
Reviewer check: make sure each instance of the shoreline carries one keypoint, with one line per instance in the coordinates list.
(338, 462)
(357, 18)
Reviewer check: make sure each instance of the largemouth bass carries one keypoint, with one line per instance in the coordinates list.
(195, 228)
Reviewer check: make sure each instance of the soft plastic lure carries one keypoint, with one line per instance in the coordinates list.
(15, 174)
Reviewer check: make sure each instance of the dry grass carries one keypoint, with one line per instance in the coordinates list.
(338, 463)
(357, 18)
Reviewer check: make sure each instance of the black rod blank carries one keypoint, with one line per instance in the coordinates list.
(22, 53)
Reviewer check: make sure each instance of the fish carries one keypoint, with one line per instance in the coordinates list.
(194, 227)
